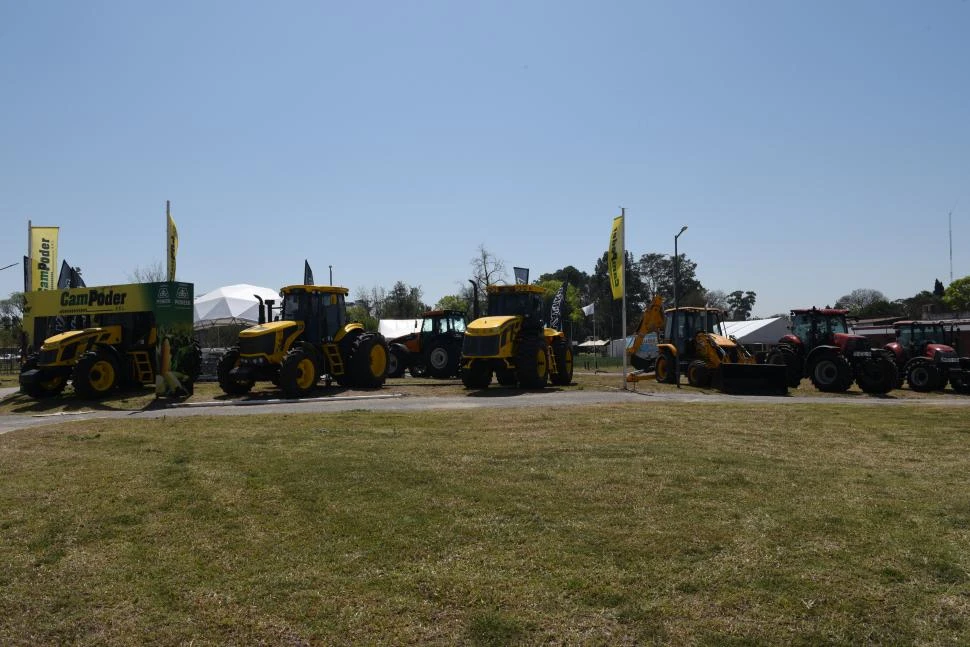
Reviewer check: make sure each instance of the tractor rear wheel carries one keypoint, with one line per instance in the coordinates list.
(477, 375)
(960, 383)
(443, 358)
(830, 373)
(532, 363)
(564, 363)
(227, 383)
(368, 361)
(95, 374)
(877, 376)
(396, 361)
(665, 366)
(298, 373)
(699, 374)
(793, 365)
(923, 376)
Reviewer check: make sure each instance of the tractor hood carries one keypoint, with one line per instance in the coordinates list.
(67, 337)
(269, 327)
(848, 343)
(723, 342)
(490, 325)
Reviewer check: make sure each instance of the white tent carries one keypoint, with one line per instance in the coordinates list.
(232, 304)
(758, 331)
(392, 328)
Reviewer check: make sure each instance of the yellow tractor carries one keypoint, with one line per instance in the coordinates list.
(513, 342)
(707, 355)
(310, 337)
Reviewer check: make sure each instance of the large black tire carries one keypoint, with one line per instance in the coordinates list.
(346, 348)
(298, 373)
(227, 383)
(532, 363)
(191, 361)
(960, 383)
(641, 364)
(46, 388)
(96, 374)
(418, 370)
(478, 375)
(792, 363)
(396, 361)
(443, 358)
(699, 374)
(897, 369)
(563, 355)
(505, 377)
(830, 373)
(877, 376)
(923, 376)
(665, 367)
(367, 363)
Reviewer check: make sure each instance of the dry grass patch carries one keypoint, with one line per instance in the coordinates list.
(633, 524)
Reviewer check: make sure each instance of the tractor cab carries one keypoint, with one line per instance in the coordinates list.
(915, 334)
(818, 327)
(524, 301)
(321, 308)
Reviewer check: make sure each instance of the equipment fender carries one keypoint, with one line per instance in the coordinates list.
(347, 329)
(670, 348)
(111, 350)
(820, 350)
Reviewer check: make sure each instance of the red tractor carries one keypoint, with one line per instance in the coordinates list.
(434, 348)
(821, 348)
(922, 357)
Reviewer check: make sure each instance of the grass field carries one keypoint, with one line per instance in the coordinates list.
(648, 523)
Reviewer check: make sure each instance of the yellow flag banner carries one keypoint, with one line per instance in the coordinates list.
(43, 258)
(615, 258)
(172, 246)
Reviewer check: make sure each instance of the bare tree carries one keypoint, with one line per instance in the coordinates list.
(716, 299)
(149, 274)
(860, 299)
(487, 269)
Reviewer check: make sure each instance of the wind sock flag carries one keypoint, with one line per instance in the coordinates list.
(307, 273)
(590, 309)
(615, 258)
(172, 247)
(555, 317)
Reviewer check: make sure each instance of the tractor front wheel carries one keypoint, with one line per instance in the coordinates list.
(532, 363)
(443, 358)
(699, 374)
(396, 361)
(792, 363)
(923, 376)
(227, 383)
(831, 373)
(665, 367)
(877, 376)
(477, 375)
(298, 373)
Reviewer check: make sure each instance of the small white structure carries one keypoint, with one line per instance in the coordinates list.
(392, 328)
(758, 331)
(232, 304)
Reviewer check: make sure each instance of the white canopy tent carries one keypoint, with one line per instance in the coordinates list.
(232, 304)
(758, 331)
(392, 328)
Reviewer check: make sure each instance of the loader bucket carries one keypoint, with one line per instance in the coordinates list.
(761, 379)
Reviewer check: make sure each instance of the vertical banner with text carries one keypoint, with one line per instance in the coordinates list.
(172, 242)
(43, 257)
(616, 258)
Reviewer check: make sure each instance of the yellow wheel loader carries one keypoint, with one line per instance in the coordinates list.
(707, 355)
(309, 338)
(513, 343)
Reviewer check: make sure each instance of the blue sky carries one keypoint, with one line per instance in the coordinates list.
(812, 147)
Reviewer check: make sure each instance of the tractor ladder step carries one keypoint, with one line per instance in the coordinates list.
(334, 359)
(553, 368)
(143, 366)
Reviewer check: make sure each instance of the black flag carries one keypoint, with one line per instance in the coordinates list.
(555, 317)
(307, 273)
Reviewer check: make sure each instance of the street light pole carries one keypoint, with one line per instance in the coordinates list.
(678, 343)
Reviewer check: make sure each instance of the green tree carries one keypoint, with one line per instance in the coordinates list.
(957, 295)
(460, 302)
(11, 319)
(938, 289)
(657, 273)
(403, 302)
(608, 313)
(741, 303)
(357, 312)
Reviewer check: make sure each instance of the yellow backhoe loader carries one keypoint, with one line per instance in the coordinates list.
(706, 354)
